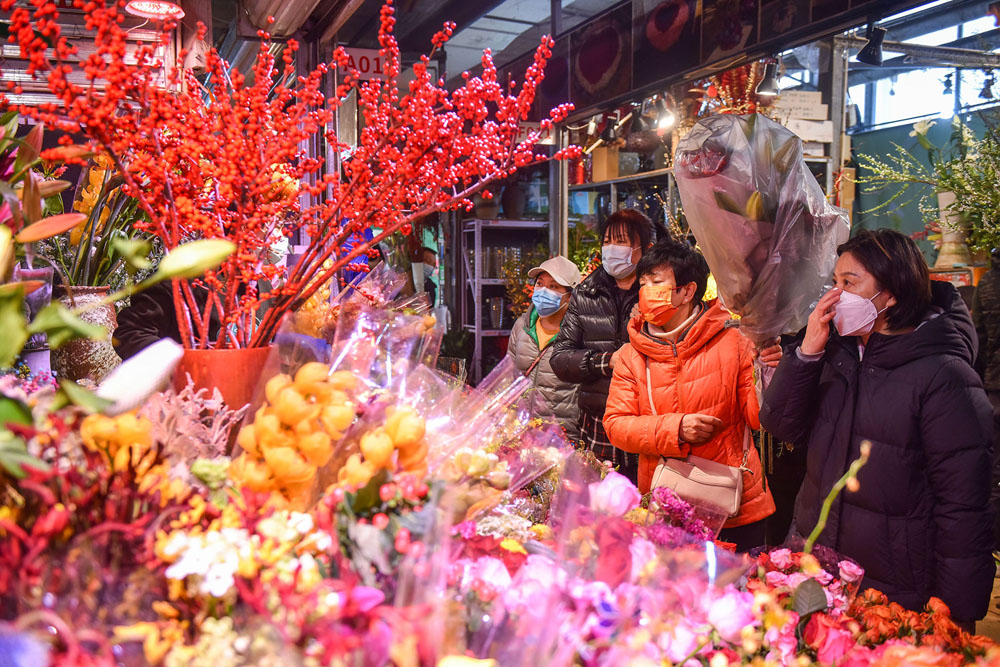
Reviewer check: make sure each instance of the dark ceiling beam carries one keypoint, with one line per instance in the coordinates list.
(338, 17)
(945, 16)
(860, 74)
(461, 12)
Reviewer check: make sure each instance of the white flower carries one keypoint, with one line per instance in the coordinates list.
(214, 557)
(301, 523)
(922, 127)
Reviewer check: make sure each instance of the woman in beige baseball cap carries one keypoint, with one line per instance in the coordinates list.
(530, 339)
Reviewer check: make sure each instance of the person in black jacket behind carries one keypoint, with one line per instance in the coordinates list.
(596, 327)
(151, 316)
(894, 370)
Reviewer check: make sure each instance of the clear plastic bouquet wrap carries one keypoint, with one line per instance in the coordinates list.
(768, 232)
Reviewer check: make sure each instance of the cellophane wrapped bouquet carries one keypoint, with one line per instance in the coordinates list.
(761, 219)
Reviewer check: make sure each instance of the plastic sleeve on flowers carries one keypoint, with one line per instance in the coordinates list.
(629, 430)
(954, 424)
(571, 362)
(789, 406)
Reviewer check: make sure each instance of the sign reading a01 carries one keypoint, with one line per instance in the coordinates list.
(367, 62)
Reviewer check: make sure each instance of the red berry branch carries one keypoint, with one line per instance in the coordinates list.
(225, 160)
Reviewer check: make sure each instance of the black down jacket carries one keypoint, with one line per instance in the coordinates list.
(596, 324)
(920, 523)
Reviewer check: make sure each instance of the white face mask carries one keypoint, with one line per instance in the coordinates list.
(855, 315)
(617, 260)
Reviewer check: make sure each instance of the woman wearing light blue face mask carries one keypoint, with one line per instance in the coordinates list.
(530, 342)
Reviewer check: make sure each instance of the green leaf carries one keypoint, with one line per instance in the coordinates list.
(12, 324)
(61, 325)
(83, 398)
(14, 457)
(809, 598)
(134, 251)
(13, 411)
(367, 496)
(192, 260)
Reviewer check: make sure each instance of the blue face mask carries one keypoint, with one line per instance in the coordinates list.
(546, 301)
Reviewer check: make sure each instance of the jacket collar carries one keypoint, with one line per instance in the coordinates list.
(710, 322)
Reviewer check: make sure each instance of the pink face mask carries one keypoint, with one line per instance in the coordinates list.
(855, 315)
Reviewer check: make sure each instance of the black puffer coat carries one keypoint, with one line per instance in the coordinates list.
(920, 524)
(596, 324)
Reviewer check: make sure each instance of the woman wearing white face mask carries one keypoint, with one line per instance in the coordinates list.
(530, 344)
(887, 358)
(596, 328)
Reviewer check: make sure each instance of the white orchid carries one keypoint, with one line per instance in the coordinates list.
(922, 127)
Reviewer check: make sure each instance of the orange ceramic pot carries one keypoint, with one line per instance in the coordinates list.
(235, 373)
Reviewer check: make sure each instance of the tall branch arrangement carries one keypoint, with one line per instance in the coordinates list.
(216, 162)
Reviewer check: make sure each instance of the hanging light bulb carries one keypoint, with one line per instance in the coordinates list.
(768, 86)
(639, 122)
(871, 54)
(158, 10)
(987, 91)
(948, 90)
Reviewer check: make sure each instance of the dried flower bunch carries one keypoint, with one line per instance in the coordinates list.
(226, 161)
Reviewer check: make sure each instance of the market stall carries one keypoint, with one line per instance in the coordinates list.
(279, 473)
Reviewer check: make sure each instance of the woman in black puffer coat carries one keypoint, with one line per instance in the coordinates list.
(596, 326)
(895, 370)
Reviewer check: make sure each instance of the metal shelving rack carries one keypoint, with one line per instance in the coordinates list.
(472, 237)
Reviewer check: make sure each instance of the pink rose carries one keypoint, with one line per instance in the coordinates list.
(828, 637)
(730, 613)
(533, 585)
(781, 558)
(776, 579)
(681, 641)
(643, 552)
(614, 495)
(851, 572)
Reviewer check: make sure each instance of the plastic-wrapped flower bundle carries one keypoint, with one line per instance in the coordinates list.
(761, 218)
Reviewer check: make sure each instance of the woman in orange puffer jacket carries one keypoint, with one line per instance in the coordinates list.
(703, 384)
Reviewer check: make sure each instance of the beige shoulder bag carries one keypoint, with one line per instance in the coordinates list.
(698, 480)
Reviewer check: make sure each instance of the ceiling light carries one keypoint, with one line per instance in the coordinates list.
(768, 86)
(871, 54)
(155, 9)
(665, 118)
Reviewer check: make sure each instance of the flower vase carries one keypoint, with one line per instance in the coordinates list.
(235, 373)
(486, 209)
(954, 235)
(83, 358)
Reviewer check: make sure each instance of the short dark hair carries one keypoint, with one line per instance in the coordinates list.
(899, 268)
(687, 264)
(636, 225)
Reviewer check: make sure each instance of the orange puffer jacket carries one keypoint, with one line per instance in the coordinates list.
(708, 371)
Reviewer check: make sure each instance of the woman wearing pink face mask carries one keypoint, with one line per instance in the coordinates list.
(887, 358)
